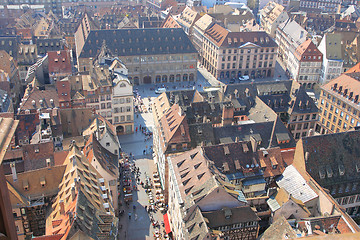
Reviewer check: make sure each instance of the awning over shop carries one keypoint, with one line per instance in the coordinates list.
(167, 224)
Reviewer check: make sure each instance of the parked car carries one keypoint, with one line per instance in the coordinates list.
(244, 78)
(160, 90)
(232, 81)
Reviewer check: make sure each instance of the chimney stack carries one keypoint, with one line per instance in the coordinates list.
(254, 144)
(62, 207)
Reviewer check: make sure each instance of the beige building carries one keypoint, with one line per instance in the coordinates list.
(235, 54)
(339, 104)
(271, 16)
(153, 55)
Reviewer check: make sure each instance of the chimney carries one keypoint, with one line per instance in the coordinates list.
(62, 207)
(13, 171)
(227, 115)
(73, 193)
(254, 144)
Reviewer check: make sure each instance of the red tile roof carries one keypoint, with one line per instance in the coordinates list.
(308, 49)
(59, 61)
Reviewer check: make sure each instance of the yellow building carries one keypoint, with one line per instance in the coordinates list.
(339, 104)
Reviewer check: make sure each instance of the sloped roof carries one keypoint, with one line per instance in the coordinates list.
(170, 22)
(82, 196)
(280, 229)
(49, 98)
(292, 181)
(337, 158)
(239, 215)
(261, 131)
(294, 32)
(302, 103)
(333, 46)
(50, 176)
(132, 42)
(191, 170)
(306, 49)
(175, 126)
(107, 160)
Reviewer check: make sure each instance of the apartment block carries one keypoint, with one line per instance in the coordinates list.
(235, 54)
(305, 64)
(339, 104)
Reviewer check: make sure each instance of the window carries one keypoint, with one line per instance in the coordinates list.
(108, 144)
(128, 118)
(128, 109)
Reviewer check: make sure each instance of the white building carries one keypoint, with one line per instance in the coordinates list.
(332, 66)
(122, 99)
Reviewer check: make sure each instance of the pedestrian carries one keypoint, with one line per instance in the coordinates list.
(135, 216)
(145, 208)
(129, 215)
(144, 151)
(136, 129)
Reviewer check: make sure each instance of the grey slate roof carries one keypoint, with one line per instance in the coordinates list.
(334, 162)
(132, 42)
(294, 31)
(10, 45)
(261, 130)
(302, 103)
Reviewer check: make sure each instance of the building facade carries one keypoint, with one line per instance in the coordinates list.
(152, 55)
(339, 104)
(289, 36)
(303, 115)
(331, 48)
(305, 64)
(235, 54)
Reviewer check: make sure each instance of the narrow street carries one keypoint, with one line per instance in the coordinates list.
(138, 226)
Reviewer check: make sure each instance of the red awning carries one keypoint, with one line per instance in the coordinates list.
(167, 224)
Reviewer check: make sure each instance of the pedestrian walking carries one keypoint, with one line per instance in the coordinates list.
(129, 215)
(135, 217)
(136, 129)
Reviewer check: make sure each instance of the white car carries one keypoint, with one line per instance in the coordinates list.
(160, 90)
(244, 78)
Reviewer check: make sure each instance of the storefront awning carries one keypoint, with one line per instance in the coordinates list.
(167, 224)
